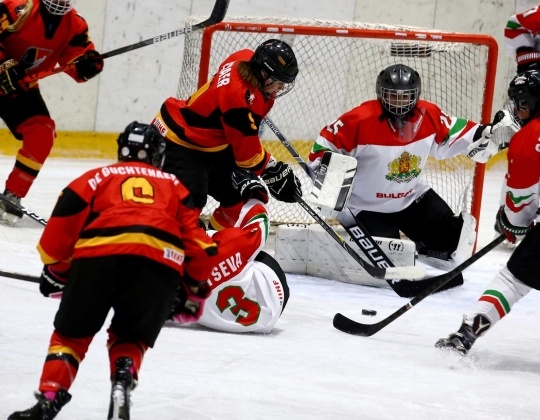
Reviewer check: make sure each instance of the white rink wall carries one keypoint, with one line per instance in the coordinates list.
(134, 85)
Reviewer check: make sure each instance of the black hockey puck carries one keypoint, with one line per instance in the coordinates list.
(369, 312)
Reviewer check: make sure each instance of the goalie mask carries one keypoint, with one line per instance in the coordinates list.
(58, 7)
(524, 96)
(274, 62)
(143, 143)
(398, 89)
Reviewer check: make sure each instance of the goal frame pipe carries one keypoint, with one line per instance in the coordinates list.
(383, 34)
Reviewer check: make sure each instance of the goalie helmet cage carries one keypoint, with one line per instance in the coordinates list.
(339, 62)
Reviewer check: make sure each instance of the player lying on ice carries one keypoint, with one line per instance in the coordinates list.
(391, 138)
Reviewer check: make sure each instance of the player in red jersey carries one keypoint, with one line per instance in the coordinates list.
(249, 289)
(36, 35)
(126, 237)
(215, 131)
(515, 218)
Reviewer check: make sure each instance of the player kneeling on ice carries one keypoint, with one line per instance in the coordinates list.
(515, 220)
(121, 237)
(392, 137)
(249, 288)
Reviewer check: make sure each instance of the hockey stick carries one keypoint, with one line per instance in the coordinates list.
(217, 15)
(351, 225)
(17, 276)
(349, 326)
(410, 273)
(29, 213)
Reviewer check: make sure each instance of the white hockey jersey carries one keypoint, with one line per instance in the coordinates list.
(247, 295)
(388, 178)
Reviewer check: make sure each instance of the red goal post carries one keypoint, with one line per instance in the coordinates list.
(339, 62)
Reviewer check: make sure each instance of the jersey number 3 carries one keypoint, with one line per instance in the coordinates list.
(247, 311)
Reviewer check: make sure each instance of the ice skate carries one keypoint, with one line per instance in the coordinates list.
(9, 214)
(462, 340)
(45, 408)
(122, 384)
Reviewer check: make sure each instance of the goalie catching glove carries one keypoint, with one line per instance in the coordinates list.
(189, 303)
(485, 147)
(513, 233)
(282, 182)
(53, 279)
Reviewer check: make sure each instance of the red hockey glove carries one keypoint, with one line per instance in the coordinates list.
(53, 280)
(189, 302)
(282, 182)
(512, 233)
(9, 80)
(88, 65)
(527, 59)
(249, 185)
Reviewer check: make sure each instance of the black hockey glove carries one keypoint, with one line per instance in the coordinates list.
(249, 185)
(52, 281)
(89, 65)
(9, 80)
(282, 182)
(512, 233)
(189, 303)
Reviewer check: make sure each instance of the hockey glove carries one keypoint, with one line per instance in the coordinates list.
(513, 233)
(53, 280)
(527, 58)
(189, 302)
(9, 80)
(89, 65)
(488, 145)
(249, 185)
(282, 182)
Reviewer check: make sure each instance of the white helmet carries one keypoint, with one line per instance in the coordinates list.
(58, 7)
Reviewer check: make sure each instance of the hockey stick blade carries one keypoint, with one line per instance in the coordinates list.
(18, 276)
(394, 273)
(347, 325)
(218, 14)
(29, 213)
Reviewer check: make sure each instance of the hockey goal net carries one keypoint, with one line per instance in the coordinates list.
(339, 63)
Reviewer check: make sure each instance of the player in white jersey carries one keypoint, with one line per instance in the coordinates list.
(522, 39)
(392, 137)
(249, 288)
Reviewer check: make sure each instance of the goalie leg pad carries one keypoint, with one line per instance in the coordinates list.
(333, 184)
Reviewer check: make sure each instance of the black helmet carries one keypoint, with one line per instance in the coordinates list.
(524, 93)
(141, 142)
(277, 59)
(398, 89)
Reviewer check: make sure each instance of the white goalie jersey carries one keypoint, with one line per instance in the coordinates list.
(249, 289)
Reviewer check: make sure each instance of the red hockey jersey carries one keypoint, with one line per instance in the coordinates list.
(127, 208)
(41, 41)
(225, 111)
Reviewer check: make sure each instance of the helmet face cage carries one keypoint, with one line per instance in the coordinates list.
(524, 95)
(143, 143)
(58, 7)
(278, 61)
(398, 89)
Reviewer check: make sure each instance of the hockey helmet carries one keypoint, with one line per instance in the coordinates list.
(277, 60)
(58, 7)
(143, 143)
(398, 89)
(524, 94)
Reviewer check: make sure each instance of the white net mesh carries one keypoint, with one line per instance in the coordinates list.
(338, 70)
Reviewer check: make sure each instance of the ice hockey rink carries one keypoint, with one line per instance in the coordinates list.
(304, 369)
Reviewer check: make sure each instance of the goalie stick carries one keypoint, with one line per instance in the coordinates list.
(217, 15)
(346, 218)
(29, 213)
(347, 325)
(17, 276)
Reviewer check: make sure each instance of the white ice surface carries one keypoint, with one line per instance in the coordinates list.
(304, 369)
